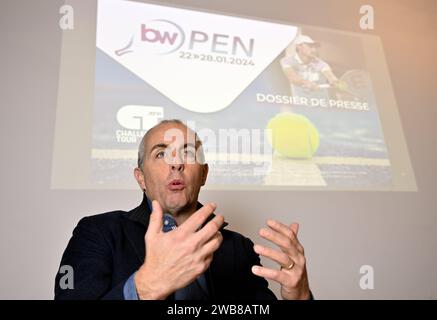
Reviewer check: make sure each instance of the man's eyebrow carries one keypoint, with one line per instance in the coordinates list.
(158, 146)
(164, 146)
(191, 145)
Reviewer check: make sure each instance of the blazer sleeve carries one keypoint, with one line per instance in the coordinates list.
(256, 287)
(89, 255)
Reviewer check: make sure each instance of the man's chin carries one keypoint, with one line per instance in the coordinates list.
(176, 203)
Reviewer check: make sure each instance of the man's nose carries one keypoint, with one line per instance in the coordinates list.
(176, 163)
(177, 167)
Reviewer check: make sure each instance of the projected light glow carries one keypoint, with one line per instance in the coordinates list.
(277, 105)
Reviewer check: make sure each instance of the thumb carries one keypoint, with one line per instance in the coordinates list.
(155, 224)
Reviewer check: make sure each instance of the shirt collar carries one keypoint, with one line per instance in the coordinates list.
(171, 222)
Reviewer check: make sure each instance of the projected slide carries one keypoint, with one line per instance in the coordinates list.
(277, 105)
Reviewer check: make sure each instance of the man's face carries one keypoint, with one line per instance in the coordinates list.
(308, 50)
(171, 174)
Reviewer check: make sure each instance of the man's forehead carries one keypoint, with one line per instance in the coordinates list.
(170, 133)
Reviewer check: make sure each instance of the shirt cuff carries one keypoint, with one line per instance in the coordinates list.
(129, 289)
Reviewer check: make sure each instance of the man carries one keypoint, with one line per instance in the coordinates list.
(304, 68)
(172, 247)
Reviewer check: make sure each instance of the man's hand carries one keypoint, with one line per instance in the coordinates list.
(309, 85)
(292, 274)
(174, 259)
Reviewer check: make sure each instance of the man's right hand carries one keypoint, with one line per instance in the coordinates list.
(310, 85)
(174, 259)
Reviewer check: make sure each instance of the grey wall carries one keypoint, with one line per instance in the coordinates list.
(392, 231)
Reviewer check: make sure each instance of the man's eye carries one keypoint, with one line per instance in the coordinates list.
(190, 153)
(160, 155)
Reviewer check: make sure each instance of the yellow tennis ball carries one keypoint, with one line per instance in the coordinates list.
(341, 85)
(293, 135)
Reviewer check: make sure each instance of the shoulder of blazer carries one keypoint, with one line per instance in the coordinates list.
(105, 220)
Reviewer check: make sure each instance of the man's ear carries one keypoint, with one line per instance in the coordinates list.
(205, 170)
(139, 176)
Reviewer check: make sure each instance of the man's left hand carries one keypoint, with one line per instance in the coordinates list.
(292, 274)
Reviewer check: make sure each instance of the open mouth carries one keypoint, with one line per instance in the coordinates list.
(176, 184)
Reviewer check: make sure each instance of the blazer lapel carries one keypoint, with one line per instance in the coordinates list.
(135, 227)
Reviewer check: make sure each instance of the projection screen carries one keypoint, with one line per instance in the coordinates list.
(271, 116)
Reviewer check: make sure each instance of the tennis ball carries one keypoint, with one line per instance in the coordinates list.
(341, 85)
(293, 135)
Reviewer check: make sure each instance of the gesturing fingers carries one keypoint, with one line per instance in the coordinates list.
(212, 245)
(210, 229)
(280, 257)
(281, 228)
(295, 228)
(291, 258)
(289, 232)
(276, 275)
(197, 218)
(280, 240)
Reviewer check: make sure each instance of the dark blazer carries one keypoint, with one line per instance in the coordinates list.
(106, 249)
